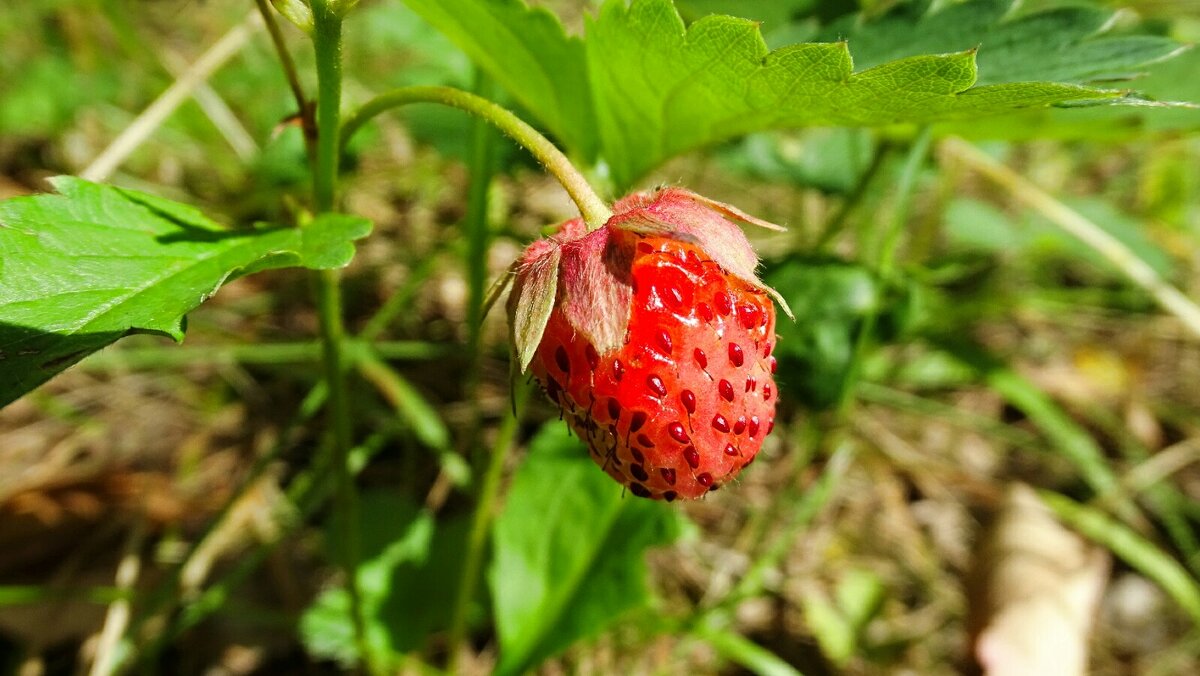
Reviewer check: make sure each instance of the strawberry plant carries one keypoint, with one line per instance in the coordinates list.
(420, 511)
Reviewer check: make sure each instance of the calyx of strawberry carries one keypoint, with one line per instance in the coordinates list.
(587, 274)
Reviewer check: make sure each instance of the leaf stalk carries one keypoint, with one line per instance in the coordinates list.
(594, 210)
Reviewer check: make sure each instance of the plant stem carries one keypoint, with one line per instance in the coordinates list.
(887, 254)
(838, 222)
(477, 539)
(594, 210)
(478, 237)
(327, 44)
(265, 354)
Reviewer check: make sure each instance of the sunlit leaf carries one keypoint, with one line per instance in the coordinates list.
(81, 268)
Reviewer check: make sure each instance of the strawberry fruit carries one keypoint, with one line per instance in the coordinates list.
(654, 336)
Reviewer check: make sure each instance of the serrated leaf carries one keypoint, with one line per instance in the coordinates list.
(1170, 80)
(84, 267)
(656, 88)
(1065, 44)
(664, 89)
(569, 551)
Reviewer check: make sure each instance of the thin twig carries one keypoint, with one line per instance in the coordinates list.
(307, 112)
(285, 57)
(1138, 271)
(157, 112)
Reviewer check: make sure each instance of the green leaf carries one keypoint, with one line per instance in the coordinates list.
(1065, 44)
(82, 268)
(296, 11)
(569, 551)
(1170, 80)
(664, 89)
(407, 574)
(642, 87)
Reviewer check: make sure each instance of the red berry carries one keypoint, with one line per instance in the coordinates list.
(639, 330)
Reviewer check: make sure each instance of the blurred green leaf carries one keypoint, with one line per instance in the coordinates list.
(830, 159)
(771, 13)
(408, 570)
(1143, 555)
(838, 625)
(82, 268)
(830, 299)
(973, 224)
(832, 631)
(741, 650)
(860, 594)
(399, 48)
(569, 551)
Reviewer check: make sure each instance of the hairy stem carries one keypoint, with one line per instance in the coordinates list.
(327, 44)
(594, 210)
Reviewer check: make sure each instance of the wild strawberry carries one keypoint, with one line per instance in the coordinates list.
(654, 336)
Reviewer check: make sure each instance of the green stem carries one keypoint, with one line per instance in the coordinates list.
(594, 210)
(887, 254)
(904, 193)
(478, 236)
(327, 45)
(263, 354)
(838, 222)
(477, 539)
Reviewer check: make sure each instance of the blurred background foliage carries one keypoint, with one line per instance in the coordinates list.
(996, 350)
